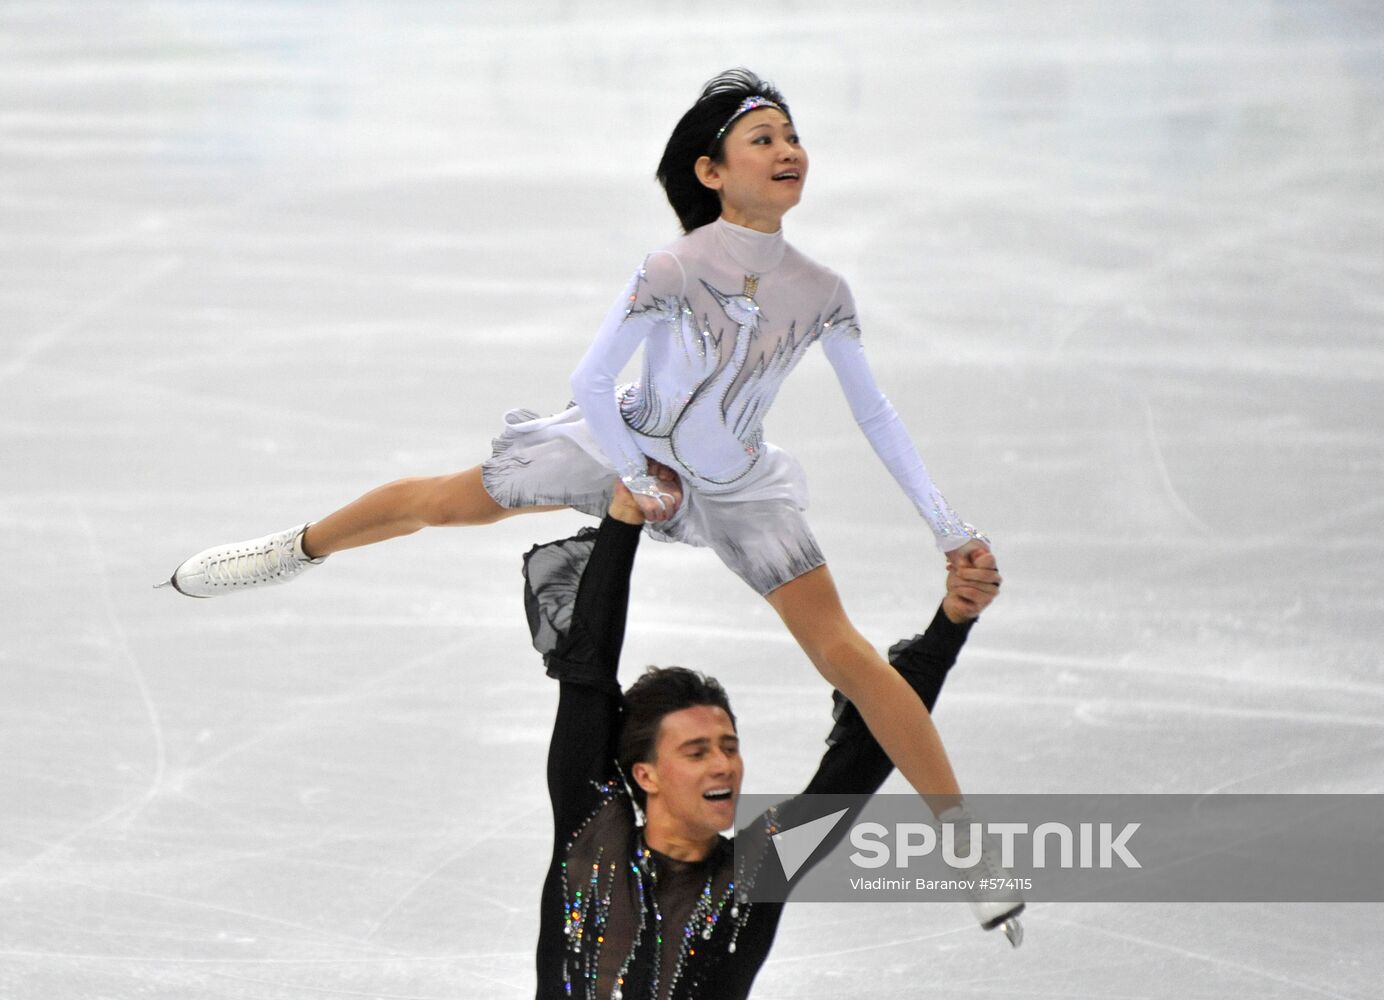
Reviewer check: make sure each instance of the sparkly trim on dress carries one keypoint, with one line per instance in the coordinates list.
(723, 316)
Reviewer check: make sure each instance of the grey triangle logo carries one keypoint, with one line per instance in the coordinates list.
(795, 846)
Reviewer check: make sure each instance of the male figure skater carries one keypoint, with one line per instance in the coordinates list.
(652, 912)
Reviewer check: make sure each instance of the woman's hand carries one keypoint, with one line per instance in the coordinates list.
(966, 555)
(637, 508)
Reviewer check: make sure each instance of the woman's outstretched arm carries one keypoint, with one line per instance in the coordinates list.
(884, 429)
(593, 382)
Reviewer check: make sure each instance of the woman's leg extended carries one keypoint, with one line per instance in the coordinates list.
(811, 608)
(404, 506)
(397, 508)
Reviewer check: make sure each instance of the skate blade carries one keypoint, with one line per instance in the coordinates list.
(172, 581)
(1014, 931)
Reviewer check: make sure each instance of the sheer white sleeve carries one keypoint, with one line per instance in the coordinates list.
(629, 322)
(882, 426)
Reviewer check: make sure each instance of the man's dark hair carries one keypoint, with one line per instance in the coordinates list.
(695, 136)
(659, 692)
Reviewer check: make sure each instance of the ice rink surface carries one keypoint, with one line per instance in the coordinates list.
(1120, 266)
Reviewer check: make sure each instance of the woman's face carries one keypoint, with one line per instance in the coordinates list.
(762, 170)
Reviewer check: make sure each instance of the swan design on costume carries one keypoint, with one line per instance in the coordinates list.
(715, 353)
(701, 407)
(753, 390)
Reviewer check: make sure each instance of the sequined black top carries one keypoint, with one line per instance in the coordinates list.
(619, 920)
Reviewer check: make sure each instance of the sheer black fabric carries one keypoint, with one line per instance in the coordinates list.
(618, 919)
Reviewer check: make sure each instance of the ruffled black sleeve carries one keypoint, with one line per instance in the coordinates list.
(576, 595)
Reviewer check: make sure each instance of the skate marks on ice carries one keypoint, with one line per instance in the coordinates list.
(85, 315)
(257, 259)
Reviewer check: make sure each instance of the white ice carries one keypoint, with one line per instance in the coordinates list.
(1120, 266)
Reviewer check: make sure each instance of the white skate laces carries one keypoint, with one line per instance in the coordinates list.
(260, 562)
(995, 899)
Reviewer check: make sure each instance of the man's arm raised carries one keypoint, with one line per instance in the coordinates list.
(577, 597)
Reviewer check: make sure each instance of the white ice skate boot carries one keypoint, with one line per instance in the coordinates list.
(260, 562)
(995, 900)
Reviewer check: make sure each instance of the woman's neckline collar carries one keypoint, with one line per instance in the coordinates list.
(756, 252)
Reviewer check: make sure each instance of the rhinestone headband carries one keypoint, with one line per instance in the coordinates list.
(746, 106)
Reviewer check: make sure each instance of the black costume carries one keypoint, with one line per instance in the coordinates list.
(620, 920)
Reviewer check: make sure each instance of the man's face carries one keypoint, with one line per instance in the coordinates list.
(694, 780)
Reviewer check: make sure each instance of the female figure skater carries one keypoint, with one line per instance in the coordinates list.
(724, 314)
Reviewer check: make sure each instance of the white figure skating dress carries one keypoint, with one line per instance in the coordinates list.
(724, 314)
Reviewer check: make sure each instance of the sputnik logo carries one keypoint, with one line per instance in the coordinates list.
(796, 845)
